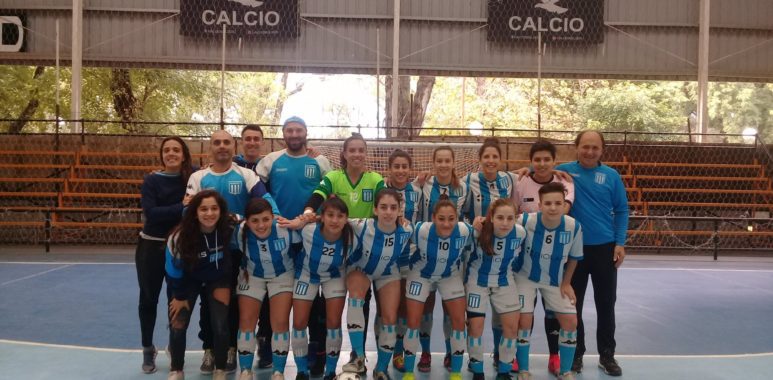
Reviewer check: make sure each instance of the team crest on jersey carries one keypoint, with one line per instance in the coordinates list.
(402, 237)
(458, 192)
(601, 178)
(301, 288)
(279, 244)
(367, 195)
(503, 182)
(412, 196)
(515, 243)
(473, 301)
(564, 237)
(459, 242)
(234, 187)
(414, 288)
(310, 171)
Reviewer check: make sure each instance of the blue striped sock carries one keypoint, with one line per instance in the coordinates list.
(567, 344)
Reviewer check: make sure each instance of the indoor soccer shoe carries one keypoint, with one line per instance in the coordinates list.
(566, 376)
(514, 368)
(554, 364)
(380, 375)
(504, 376)
(610, 366)
(207, 363)
(219, 374)
(577, 364)
(176, 375)
(230, 362)
(525, 375)
(398, 361)
(149, 359)
(425, 362)
(355, 365)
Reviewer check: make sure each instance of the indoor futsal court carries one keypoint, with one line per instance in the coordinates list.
(680, 317)
(646, 124)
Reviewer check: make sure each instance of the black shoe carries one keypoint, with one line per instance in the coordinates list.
(504, 376)
(577, 364)
(265, 359)
(610, 366)
(302, 376)
(478, 376)
(318, 369)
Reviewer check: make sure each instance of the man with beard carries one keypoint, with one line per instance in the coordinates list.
(292, 175)
(237, 185)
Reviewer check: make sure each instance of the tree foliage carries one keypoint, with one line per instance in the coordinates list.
(133, 98)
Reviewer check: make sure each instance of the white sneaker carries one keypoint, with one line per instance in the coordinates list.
(277, 376)
(566, 376)
(176, 375)
(524, 375)
(219, 374)
(245, 375)
(355, 365)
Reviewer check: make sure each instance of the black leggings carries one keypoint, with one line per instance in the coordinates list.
(149, 260)
(218, 318)
(233, 312)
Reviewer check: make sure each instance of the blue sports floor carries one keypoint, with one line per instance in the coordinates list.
(72, 314)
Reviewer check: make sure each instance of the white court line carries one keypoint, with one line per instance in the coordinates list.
(34, 275)
(61, 263)
(624, 268)
(123, 350)
(702, 270)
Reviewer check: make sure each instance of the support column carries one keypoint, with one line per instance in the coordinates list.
(703, 68)
(77, 64)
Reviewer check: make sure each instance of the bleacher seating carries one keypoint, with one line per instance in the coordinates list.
(79, 193)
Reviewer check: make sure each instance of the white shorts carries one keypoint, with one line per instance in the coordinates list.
(257, 288)
(378, 282)
(332, 288)
(418, 288)
(503, 299)
(551, 295)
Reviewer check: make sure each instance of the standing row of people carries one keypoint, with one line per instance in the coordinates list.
(338, 255)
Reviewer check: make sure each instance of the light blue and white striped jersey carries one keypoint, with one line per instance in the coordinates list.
(378, 252)
(496, 270)
(292, 180)
(321, 260)
(237, 186)
(436, 257)
(481, 193)
(411, 201)
(431, 192)
(270, 257)
(547, 250)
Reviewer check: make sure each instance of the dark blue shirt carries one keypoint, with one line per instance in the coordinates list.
(162, 196)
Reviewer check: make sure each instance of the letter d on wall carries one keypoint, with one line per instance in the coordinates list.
(8, 24)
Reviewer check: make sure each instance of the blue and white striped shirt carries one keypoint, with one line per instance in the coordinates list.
(432, 191)
(270, 257)
(378, 252)
(547, 250)
(437, 257)
(496, 270)
(481, 193)
(320, 260)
